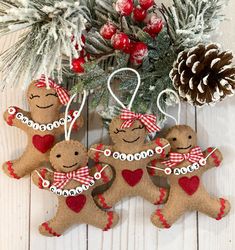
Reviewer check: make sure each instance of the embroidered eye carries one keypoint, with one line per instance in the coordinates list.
(53, 94)
(76, 153)
(119, 130)
(34, 96)
(140, 127)
(190, 137)
(174, 139)
(58, 156)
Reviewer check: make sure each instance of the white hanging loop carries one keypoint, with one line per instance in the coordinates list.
(135, 92)
(167, 91)
(67, 133)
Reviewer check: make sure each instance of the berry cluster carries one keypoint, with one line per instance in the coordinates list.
(78, 63)
(121, 41)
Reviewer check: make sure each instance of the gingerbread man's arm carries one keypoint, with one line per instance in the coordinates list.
(213, 158)
(10, 118)
(104, 173)
(96, 153)
(45, 174)
(77, 125)
(161, 148)
(156, 168)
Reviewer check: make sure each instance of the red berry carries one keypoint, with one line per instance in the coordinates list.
(124, 7)
(129, 48)
(147, 30)
(77, 65)
(139, 52)
(120, 41)
(146, 4)
(155, 24)
(139, 13)
(108, 30)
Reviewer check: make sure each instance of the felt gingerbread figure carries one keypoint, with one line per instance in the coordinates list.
(73, 184)
(43, 125)
(130, 155)
(184, 170)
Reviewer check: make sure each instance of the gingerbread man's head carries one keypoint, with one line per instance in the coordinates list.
(46, 99)
(134, 135)
(67, 156)
(182, 138)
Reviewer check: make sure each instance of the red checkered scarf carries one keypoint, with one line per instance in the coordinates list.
(62, 93)
(81, 175)
(194, 155)
(129, 118)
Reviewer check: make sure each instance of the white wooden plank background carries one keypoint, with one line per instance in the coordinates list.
(23, 207)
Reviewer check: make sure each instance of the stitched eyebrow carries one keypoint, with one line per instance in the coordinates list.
(140, 127)
(33, 96)
(54, 94)
(117, 131)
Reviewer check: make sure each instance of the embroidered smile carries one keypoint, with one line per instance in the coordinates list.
(131, 141)
(45, 107)
(186, 147)
(70, 166)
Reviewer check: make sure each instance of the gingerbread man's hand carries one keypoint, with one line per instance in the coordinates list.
(41, 177)
(15, 116)
(156, 168)
(102, 174)
(77, 125)
(161, 148)
(101, 153)
(214, 157)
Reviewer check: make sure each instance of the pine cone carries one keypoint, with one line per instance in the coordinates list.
(204, 74)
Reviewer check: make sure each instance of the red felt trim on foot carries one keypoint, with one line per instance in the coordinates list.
(43, 174)
(222, 208)
(97, 153)
(49, 229)
(11, 170)
(102, 201)
(110, 221)
(158, 142)
(162, 219)
(162, 196)
(214, 156)
(104, 177)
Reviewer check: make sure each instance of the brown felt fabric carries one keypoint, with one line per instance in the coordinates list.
(32, 158)
(65, 217)
(179, 201)
(129, 141)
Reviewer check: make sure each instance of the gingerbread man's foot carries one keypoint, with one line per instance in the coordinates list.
(101, 201)
(47, 230)
(112, 220)
(8, 168)
(159, 219)
(224, 209)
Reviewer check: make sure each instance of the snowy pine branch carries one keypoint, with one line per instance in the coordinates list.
(49, 26)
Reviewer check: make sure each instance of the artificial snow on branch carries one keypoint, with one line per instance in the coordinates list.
(52, 31)
(191, 21)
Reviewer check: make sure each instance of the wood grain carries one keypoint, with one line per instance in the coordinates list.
(23, 206)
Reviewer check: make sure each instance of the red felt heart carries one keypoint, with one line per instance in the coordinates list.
(132, 177)
(43, 143)
(189, 185)
(76, 203)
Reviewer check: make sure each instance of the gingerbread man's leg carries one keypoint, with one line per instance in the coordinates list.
(153, 193)
(173, 210)
(100, 219)
(110, 197)
(59, 224)
(22, 166)
(214, 207)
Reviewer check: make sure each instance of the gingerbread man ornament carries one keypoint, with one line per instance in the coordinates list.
(130, 155)
(184, 169)
(72, 182)
(43, 125)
